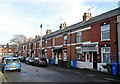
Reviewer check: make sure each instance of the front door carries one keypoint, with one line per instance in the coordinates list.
(95, 60)
(56, 58)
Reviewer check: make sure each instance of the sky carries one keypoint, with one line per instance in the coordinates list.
(24, 17)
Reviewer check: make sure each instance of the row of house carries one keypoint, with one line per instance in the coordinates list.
(6, 49)
(91, 43)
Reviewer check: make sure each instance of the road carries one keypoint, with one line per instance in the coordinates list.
(47, 74)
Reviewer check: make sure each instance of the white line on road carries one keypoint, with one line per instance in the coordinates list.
(90, 75)
(109, 79)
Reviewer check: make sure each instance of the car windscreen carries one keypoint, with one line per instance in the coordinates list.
(12, 61)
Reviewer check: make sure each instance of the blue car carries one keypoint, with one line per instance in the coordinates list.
(11, 63)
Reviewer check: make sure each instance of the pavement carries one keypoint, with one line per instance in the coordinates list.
(90, 72)
(2, 78)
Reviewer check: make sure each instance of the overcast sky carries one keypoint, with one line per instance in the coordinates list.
(24, 17)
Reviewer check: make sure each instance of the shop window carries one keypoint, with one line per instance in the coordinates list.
(105, 54)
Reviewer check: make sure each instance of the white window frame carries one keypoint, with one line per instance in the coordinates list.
(103, 51)
(105, 28)
(79, 37)
(79, 54)
(53, 41)
(64, 55)
(65, 39)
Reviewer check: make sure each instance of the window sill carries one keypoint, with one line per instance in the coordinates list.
(106, 40)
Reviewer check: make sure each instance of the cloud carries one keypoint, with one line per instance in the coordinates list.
(53, 1)
(25, 16)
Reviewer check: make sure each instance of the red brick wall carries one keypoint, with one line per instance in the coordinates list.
(73, 38)
(59, 40)
(95, 36)
(86, 36)
(49, 43)
(43, 43)
(49, 53)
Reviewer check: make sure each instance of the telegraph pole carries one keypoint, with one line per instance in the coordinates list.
(41, 40)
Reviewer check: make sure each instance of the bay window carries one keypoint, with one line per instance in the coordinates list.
(105, 54)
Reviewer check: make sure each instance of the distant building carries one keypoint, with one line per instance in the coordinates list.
(6, 50)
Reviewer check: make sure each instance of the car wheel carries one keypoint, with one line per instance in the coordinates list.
(46, 65)
(3, 70)
(19, 70)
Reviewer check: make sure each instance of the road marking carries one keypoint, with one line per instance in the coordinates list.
(76, 72)
(90, 75)
(109, 79)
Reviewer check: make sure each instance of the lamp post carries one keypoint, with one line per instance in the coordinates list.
(41, 40)
(4, 50)
(7, 47)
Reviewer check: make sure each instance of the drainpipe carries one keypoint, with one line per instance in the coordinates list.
(70, 47)
(117, 60)
(117, 43)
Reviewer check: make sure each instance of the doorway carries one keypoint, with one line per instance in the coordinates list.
(95, 60)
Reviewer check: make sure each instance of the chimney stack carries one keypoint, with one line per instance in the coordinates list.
(37, 36)
(63, 25)
(48, 31)
(87, 16)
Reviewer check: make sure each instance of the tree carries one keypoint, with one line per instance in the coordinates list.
(17, 39)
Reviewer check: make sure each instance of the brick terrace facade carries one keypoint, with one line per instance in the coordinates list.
(92, 43)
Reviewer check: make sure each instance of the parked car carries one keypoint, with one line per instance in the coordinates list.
(40, 62)
(22, 58)
(35, 61)
(10, 63)
(29, 60)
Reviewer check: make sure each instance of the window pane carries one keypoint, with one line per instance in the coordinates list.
(106, 55)
(79, 37)
(105, 35)
(105, 32)
(107, 49)
(105, 27)
(79, 56)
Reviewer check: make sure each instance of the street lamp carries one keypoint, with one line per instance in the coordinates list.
(41, 39)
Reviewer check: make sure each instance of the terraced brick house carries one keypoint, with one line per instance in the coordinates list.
(91, 43)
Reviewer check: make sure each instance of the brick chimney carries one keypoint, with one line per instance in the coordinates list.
(87, 16)
(37, 36)
(63, 25)
(48, 31)
(30, 39)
